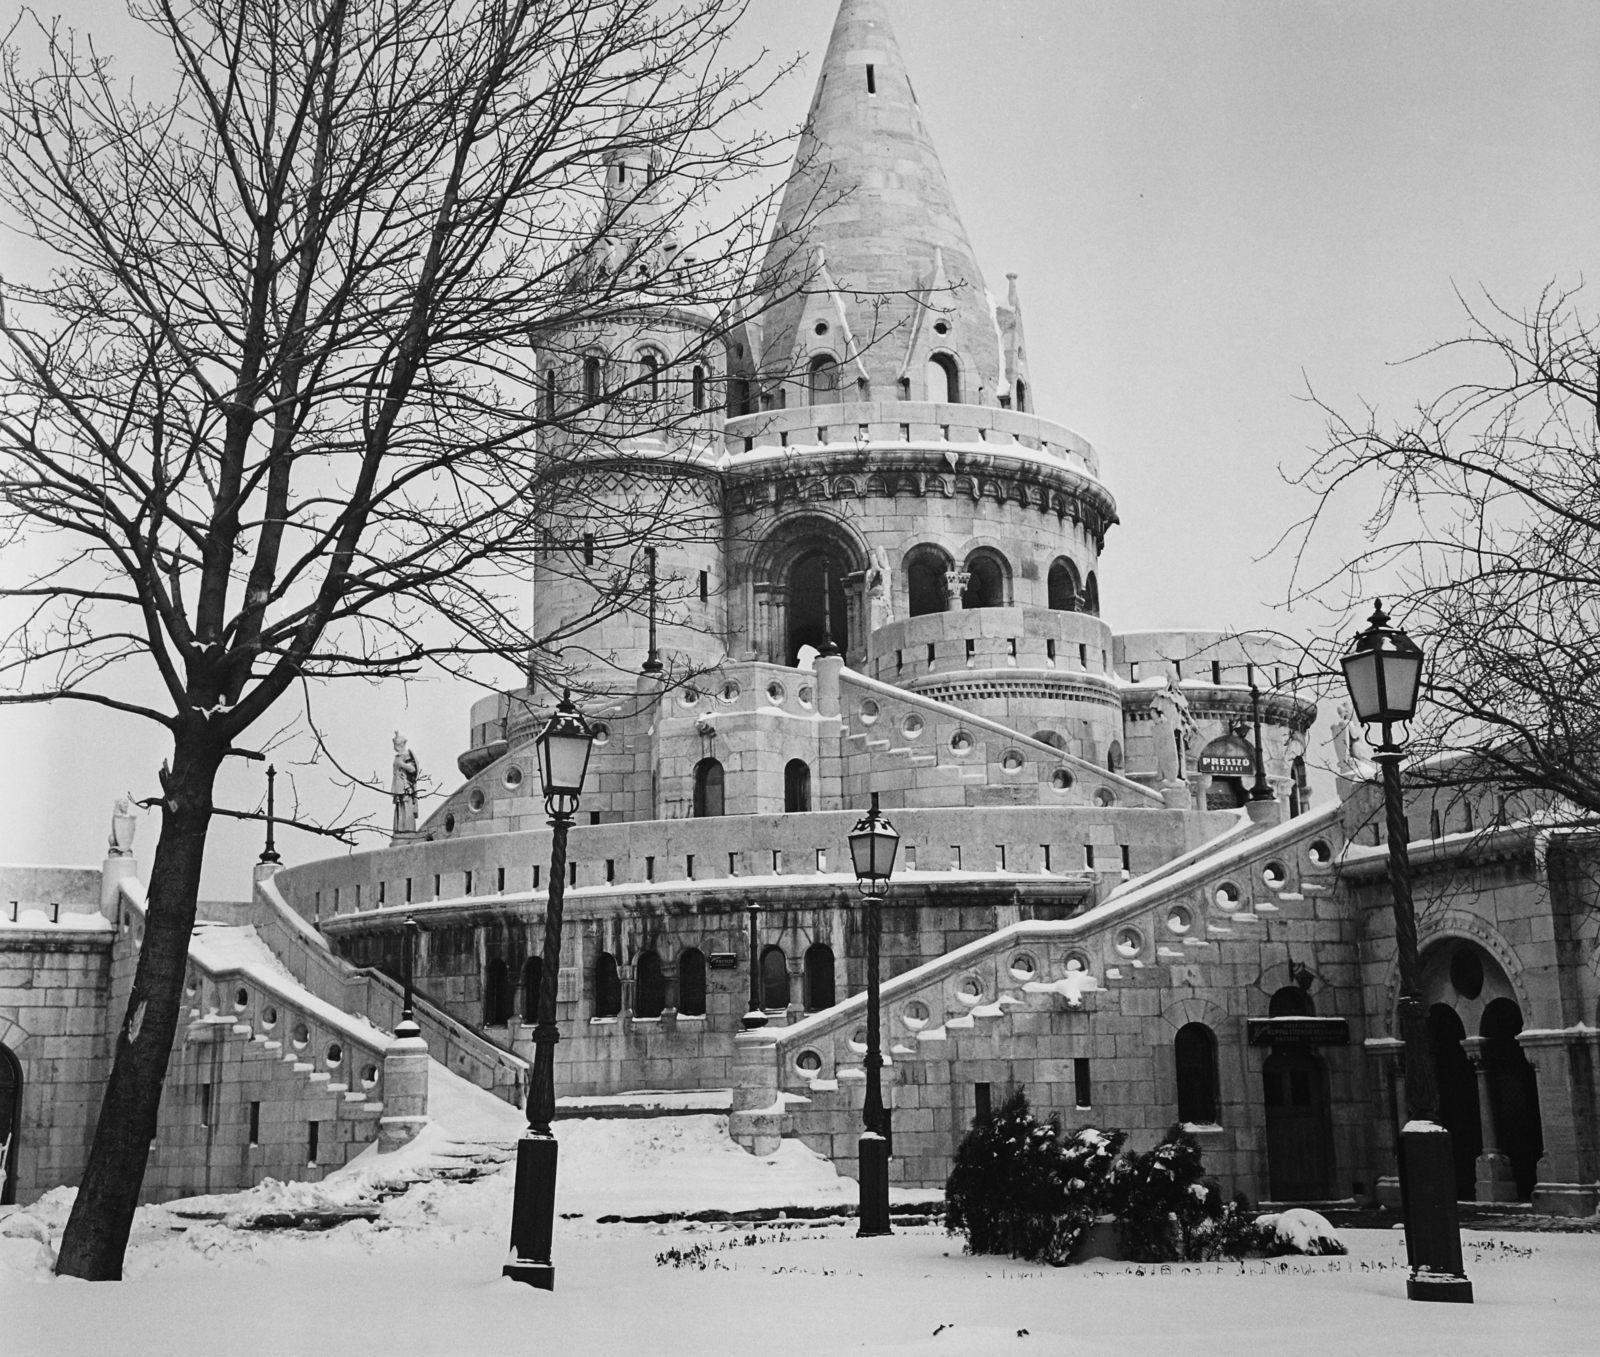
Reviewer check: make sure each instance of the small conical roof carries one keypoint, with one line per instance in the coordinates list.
(868, 189)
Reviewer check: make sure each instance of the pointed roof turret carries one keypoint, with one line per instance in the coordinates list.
(867, 187)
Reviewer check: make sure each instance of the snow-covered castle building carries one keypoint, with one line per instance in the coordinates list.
(1113, 890)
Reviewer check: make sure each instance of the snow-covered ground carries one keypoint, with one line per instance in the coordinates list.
(423, 1275)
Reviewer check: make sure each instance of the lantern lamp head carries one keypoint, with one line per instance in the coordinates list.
(1383, 671)
(563, 747)
(873, 845)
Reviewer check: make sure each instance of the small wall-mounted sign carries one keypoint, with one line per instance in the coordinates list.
(1303, 1031)
(1228, 756)
(724, 961)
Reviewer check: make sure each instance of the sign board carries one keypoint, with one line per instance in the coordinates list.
(1299, 1031)
(1227, 756)
(724, 961)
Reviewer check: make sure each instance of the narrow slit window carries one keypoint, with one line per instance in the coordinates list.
(500, 880)
(688, 867)
(468, 890)
(536, 876)
(733, 864)
(1050, 651)
(1088, 856)
(1127, 858)
(649, 869)
(1080, 1082)
(611, 870)
(1044, 855)
(955, 857)
(822, 860)
(588, 548)
(255, 1123)
(313, 1134)
(872, 79)
(572, 874)
(705, 585)
(1216, 673)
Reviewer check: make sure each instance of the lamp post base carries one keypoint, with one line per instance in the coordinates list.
(873, 1213)
(541, 1276)
(1438, 1286)
(533, 1210)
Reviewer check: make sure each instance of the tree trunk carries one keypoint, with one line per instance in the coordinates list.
(96, 1236)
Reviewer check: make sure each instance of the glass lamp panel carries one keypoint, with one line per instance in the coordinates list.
(1361, 675)
(1402, 675)
(564, 762)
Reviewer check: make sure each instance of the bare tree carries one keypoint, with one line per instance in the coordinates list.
(303, 378)
(1483, 539)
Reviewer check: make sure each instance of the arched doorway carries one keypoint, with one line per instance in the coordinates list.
(986, 581)
(607, 987)
(692, 983)
(649, 986)
(1458, 1096)
(774, 978)
(707, 789)
(496, 994)
(925, 580)
(943, 379)
(796, 786)
(1513, 1093)
(10, 1124)
(532, 974)
(1062, 586)
(818, 604)
(819, 977)
(824, 379)
(1194, 1053)
(1294, 1085)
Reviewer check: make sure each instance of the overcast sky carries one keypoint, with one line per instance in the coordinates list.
(1209, 205)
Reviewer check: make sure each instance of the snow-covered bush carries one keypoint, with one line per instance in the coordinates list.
(1298, 1231)
(1018, 1188)
(1165, 1205)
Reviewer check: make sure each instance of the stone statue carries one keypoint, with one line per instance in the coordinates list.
(123, 825)
(880, 608)
(1174, 726)
(403, 786)
(1344, 736)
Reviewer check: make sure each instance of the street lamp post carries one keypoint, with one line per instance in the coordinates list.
(408, 1018)
(873, 844)
(1260, 789)
(756, 1016)
(563, 748)
(1384, 671)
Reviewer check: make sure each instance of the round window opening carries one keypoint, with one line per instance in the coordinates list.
(1276, 875)
(1104, 796)
(513, 777)
(369, 1076)
(941, 327)
(300, 1036)
(191, 986)
(970, 989)
(269, 1016)
(1012, 761)
(1466, 972)
(1179, 919)
(449, 824)
(804, 696)
(821, 327)
(915, 1015)
(334, 1055)
(1061, 780)
(1228, 896)
(475, 799)
(241, 997)
(808, 1061)
(858, 1039)
(689, 697)
(1023, 966)
(1077, 963)
(912, 726)
(1320, 853)
(729, 693)
(961, 743)
(1130, 942)
(868, 711)
(775, 693)
(602, 732)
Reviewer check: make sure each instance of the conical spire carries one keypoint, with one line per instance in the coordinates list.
(867, 187)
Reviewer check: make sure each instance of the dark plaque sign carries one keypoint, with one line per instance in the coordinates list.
(1299, 1032)
(1227, 756)
(724, 961)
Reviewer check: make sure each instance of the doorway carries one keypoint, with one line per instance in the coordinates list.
(1299, 1130)
(10, 1124)
(818, 605)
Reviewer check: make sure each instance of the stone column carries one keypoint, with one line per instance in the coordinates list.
(1566, 1185)
(756, 1121)
(955, 584)
(405, 1089)
(1496, 1182)
(827, 670)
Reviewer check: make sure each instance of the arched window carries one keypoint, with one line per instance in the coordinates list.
(607, 987)
(774, 978)
(1063, 585)
(532, 972)
(944, 380)
(10, 1124)
(817, 575)
(547, 395)
(697, 387)
(738, 396)
(707, 789)
(1290, 1001)
(824, 379)
(819, 977)
(1091, 595)
(1114, 757)
(796, 786)
(692, 982)
(591, 379)
(649, 986)
(496, 994)
(1195, 1054)
(1022, 395)
(650, 375)
(986, 581)
(925, 570)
